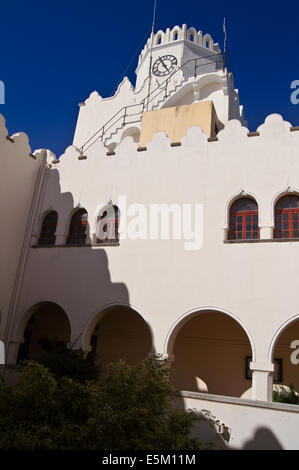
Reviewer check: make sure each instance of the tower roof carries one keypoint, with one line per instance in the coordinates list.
(178, 33)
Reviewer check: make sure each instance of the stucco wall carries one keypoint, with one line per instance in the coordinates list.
(253, 425)
(19, 173)
(159, 278)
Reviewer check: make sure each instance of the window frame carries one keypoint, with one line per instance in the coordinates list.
(75, 235)
(289, 212)
(233, 233)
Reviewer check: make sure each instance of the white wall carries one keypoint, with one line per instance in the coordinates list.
(19, 172)
(244, 279)
(253, 425)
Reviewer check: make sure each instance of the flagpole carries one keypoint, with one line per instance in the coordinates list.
(224, 45)
(151, 52)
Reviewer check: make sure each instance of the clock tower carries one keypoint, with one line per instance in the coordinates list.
(182, 49)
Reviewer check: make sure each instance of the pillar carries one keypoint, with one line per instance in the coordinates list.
(262, 381)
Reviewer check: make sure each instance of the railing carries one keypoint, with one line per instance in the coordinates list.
(189, 68)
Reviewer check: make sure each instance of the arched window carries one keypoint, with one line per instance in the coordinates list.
(287, 217)
(107, 225)
(77, 235)
(191, 37)
(244, 220)
(159, 40)
(47, 234)
(175, 36)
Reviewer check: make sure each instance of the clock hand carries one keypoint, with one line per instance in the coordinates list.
(163, 63)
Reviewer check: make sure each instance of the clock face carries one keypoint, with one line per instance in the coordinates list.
(164, 65)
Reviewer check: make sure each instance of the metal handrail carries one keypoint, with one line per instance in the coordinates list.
(181, 67)
(148, 99)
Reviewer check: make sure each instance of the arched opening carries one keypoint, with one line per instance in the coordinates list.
(44, 320)
(159, 40)
(287, 217)
(78, 224)
(210, 351)
(47, 234)
(175, 35)
(285, 356)
(133, 132)
(119, 333)
(243, 220)
(107, 225)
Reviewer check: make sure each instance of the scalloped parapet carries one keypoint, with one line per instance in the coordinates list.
(178, 33)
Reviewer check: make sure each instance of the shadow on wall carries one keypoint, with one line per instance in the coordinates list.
(263, 439)
(208, 430)
(72, 296)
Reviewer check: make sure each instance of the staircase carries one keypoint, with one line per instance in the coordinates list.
(133, 113)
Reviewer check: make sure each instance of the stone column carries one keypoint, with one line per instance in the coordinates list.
(262, 381)
(60, 239)
(266, 233)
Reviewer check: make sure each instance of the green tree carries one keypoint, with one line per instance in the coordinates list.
(65, 362)
(284, 394)
(127, 408)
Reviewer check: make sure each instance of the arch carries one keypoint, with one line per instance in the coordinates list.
(286, 215)
(77, 227)
(175, 33)
(283, 352)
(210, 359)
(208, 41)
(288, 190)
(159, 37)
(235, 197)
(202, 81)
(42, 319)
(133, 132)
(102, 315)
(48, 228)
(26, 313)
(277, 335)
(169, 342)
(192, 35)
(243, 219)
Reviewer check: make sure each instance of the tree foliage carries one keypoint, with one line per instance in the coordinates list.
(126, 408)
(65, 362)
(284, 394)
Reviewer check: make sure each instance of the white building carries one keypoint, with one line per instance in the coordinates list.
(222, 304)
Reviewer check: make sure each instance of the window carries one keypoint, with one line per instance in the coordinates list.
(244, 220)
(77, 235)
(47, 235)
(107, 225)
(191, 37)
(159, 40)
(175, 36)
(287, 217)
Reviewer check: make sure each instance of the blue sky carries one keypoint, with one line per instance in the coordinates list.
(55, 53)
